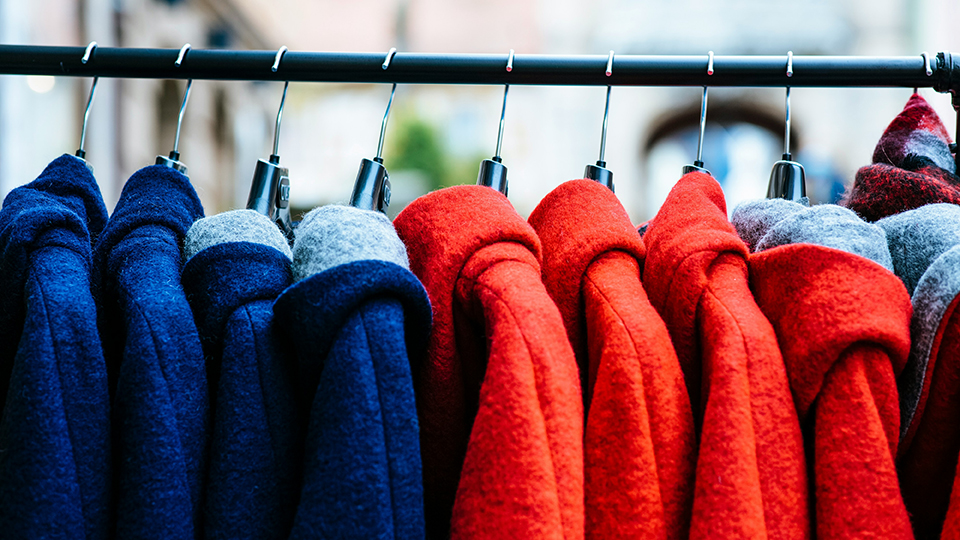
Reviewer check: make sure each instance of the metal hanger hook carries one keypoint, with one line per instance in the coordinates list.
(182, 55)
(710, 63)
(389, 58)
(186, 97)
(703, 126)
(606, 111)
(927, 67)
(86, 117)
(383, 125)
(789, 63)
(93, 90)
(277, 58)
(90, 48)
(283, 100)
(786, 135)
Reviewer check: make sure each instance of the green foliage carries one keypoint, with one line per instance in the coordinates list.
(418, 145)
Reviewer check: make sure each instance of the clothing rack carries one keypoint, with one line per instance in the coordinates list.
(527, 69)
(940, 72)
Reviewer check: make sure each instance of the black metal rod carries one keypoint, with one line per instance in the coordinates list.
(530, 69)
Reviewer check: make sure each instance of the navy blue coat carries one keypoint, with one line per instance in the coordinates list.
(55, 430)
(256, 450)
(354, 328)
(160, 412)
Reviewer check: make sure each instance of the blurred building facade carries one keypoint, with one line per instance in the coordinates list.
(438, 134)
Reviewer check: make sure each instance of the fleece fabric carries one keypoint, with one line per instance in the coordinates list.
(236, 268)
(843, 324)
(912, 166)
(925, 244)
(751, 477)
(355, 327)
(499, 400)
(160, 405)
(55, 466)
(639, 441)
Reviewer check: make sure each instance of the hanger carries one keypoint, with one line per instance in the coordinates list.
(81, 154)
(173, 160)
(493, 173)
(787, 178)
(372, 188)
(599, 172)
(270, 189)
(698, 164)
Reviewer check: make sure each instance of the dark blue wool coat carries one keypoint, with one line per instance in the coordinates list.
(353, 328)
(55, 430)
(160, 407)
(253, 481)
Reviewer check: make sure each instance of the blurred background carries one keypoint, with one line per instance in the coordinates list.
(438, 134)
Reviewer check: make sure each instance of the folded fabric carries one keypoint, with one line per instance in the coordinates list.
(55, 467)
(925, 244)
(238, 263)
(823, 278)
(639, 442)
(160, 407)
(499, 400)
(751, 477)
(912, 166)
(355, 320)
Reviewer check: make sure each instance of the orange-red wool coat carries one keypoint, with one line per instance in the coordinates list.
(639, 442)
(499, 403)
(751, 477)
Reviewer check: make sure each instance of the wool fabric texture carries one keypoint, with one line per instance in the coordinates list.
(355, 328)
(160, 404)
(751, 477)
(55, 456)
(639, 440)
(842, 322)
(778, 222)
(234, 226)
(239, 269)
(499, 400)
(912, 166)
(925, 243)
(341, 234)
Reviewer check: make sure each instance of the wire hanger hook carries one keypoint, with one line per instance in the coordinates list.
(275, 157)
(698, 164)
(173, 159)
(183, 105)
(599, 172)
(81, 153)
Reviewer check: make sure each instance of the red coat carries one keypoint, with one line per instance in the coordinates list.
(501, 418)
(751, 476)
(843, 323)
(639, 442)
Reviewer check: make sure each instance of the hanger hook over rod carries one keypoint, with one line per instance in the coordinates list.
(510, 61)
(606, 111)
(276, 59)
(710, 63)
(786, 135)
(81, 153)
(89, 51)
(186, 97)
(389, 58)
(283, 100)
(927, 66)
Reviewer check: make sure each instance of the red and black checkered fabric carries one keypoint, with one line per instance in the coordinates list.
(912, 166)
